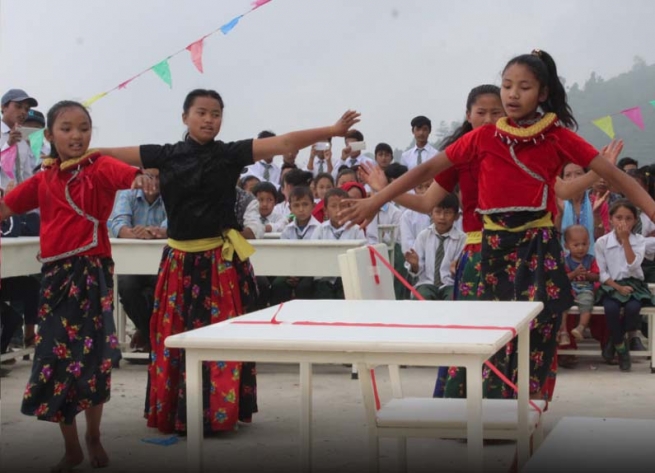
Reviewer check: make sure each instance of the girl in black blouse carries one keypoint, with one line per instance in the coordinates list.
(205, 276)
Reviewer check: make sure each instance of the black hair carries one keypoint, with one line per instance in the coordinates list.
(288, 166)
(626, 204)
(464, 128)
(543, 66)
(324, 175)
(54, 113)
(561, 174)
(265, 187)
(450, 202)
(265, 134)
(571, 228)
(196, 93)
(383, 148)
(395, 170)
(300, 192)
(346, 170)
(638, 175)
(334, 192)
(354, 134)
(418, 122)
(649, 172)
(297, 177)
(244, 180)
(627, 161)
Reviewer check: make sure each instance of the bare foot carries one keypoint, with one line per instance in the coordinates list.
(97, 455)
(68, 462)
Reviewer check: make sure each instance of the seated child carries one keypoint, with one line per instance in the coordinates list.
(346, 175)
(383, 155)
(322, 183)
(412, 222)
(331, 229)
(293, 178)
(266, 196)
(584, 274)
(435, 249)
(248, 183)
(285, 288)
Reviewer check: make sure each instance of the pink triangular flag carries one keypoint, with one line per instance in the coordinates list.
(634, 115)
(259, 3)
(122, 85)
(8, 161)
(196, 54)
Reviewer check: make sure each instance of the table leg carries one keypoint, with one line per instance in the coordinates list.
(305, 417)
(474, 422)
(523, 384)
(120, 321)
(194, 411)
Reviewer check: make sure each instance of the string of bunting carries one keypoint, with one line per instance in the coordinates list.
(161, 69)
(633, 114)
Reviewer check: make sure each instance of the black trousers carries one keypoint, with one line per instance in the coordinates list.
(137, 294)
(618, 325)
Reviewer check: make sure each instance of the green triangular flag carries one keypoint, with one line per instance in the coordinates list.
(164, 72)
(36, 143)
(606, 125)
(652, 102)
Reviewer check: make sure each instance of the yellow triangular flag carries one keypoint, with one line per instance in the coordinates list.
(606, 125)
(93, 99)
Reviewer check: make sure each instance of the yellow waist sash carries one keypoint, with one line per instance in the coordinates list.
(545, 221)
(473, 238)
(232, 241)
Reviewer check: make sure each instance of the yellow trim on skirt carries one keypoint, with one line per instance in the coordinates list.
(232, 242)
(473, 238)
(545, 221)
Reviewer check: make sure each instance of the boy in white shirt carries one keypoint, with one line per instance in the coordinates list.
(332, 288)
(434, 251)
(422, 150)
(302, 227)
(267, 196)
(412, 222)
(264, 169)
(350, 158)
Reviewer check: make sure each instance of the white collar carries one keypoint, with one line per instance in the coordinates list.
(311, 223)
(612, 241)
(452, 234)
(425, 148)
(264, 163)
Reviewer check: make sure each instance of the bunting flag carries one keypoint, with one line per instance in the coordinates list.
(196, 53)
(652, 102)
(164, 72)
(606, 125)
(8, 161)
(162, 68)
(634, 115)
(36, 143)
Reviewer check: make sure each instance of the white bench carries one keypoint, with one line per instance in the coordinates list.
(404, 417)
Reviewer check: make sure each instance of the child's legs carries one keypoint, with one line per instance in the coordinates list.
(97, 454)
(585, 302)
(613, 318)
(93, 418)
(429, 292)
(446, 293)
(324, 290)
(280, 290)
(632, 315)
(73, 455)
(305, 288)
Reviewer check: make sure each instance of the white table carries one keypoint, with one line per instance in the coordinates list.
(19, 257)
(598, 445)
(287, 342)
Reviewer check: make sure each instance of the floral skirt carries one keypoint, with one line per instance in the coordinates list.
(76, 339)
(195, 290)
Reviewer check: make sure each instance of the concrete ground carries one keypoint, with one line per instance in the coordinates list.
(270, 443)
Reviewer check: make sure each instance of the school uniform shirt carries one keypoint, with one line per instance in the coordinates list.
(349, 162)
(25, 163)
(131, 209)
(259, 168)
(410, 157)
(252, 219)
(426, 245)
(326, 231)
(293, 232)
(317, 164)
(282, 210)
(388, 215)
(647, 225)
(198, 184)
(611, 260)
(276, 221)
(411, 224)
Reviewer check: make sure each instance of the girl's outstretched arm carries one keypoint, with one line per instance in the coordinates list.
(130, 154)
(363, 210)
(297, 140)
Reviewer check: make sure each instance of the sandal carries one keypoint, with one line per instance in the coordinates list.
(578, 332)
(564, 339)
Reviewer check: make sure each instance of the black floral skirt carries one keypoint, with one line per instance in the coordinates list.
(76, 340)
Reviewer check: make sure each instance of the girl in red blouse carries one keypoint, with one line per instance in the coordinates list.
(519, 159)
(76, 340)
(205, 276)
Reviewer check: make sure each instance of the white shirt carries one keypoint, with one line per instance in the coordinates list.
(317, 162)
(25, 159)
(410, 157)
(388, 215)
(411, 224)
(358, 161)
(293, 232)
(251, 219)
(611, 260)
(275, 220)
(258, 170)
(282, 209)
(327, 232)
(647, 225)
(426, 245)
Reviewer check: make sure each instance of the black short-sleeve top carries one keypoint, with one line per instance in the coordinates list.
(198, 184)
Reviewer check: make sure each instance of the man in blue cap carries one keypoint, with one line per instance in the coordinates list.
(15, 107)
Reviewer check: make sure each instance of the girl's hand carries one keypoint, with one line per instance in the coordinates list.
(146, 183)
(412, 258)
(345, 123)
(373, 176)
(625, 290)
(622, 231)
(611, 151)
(600, 200)
(354, 211)
(345, 153)
(327, 154)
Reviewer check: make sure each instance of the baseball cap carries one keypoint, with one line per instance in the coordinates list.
(18, 95)
(35, 116)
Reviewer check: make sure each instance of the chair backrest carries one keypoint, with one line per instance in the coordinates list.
(362, 274)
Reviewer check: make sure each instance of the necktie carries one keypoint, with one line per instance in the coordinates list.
(353, 162)
(267, 171)
(263, 219)
(638, 228)
(438, 259)
(321, 166)
(419, 158)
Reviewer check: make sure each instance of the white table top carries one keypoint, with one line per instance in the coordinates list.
(234, 334)
(598, 445)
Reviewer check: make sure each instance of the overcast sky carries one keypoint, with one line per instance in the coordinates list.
(301, 63)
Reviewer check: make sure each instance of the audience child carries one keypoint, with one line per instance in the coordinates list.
(264, 169)
(349, 157)
(248, 183)
(286, 167)
(248, 219)
(383, 156)
(266, 197)
(322, 183)
(346, 175)
(293, 178)
(628, 164)
(422, 150)
(320, 161)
